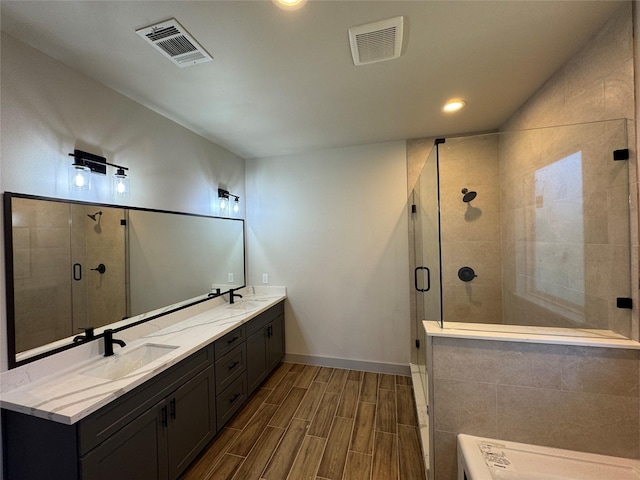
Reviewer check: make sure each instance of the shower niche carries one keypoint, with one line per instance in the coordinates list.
(541, 216)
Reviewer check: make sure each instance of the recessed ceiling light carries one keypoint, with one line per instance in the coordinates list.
(289, 4)
(453, 106)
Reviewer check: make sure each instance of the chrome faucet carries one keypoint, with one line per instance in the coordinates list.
(232, 295)
(109, 341)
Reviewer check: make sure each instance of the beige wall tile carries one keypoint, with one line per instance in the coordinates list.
(603, 424)
(468, 407)
(460, 359)
(601, 370)
(445, 456)
(508, 363)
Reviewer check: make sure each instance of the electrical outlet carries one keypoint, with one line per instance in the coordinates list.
(230, 277)
(265, 278)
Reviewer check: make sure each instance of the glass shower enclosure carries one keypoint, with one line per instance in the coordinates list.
(527, 228)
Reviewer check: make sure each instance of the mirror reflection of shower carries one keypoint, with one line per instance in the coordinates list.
(96, 217)
(472, 213)
(468, 195)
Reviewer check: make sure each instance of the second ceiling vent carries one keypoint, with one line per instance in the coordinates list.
(174, 42)
(376, 42)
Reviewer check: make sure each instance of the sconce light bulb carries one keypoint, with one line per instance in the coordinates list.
(79, 177)
(78, 180)
(236, 206)
(120, 186)
(223, 203)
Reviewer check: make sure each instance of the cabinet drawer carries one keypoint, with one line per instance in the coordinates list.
(230, 341)
(230, 366)
(100, 425)
(261, 320)
(229, 401)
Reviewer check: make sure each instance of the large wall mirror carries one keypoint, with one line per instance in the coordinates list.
(74, 265)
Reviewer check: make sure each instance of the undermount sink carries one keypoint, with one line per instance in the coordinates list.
(125, 362)
(248, 305)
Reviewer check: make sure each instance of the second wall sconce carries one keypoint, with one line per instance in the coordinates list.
(84, 163)
(224, 198)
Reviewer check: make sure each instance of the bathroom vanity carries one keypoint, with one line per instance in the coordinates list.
(149, 410)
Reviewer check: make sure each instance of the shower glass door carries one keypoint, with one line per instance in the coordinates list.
(99, 286)
(426, 251)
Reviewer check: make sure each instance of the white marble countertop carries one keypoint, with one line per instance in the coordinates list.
(529, 334)
(58, 390)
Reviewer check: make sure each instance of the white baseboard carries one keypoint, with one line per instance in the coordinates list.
(389, 368)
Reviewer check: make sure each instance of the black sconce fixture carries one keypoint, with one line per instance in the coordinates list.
(224, 197)
(84, 163)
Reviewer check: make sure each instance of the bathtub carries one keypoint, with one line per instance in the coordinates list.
(490, 459)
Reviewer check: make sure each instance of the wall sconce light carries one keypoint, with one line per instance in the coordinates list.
(84, 163)
(120, 183)
(224, 198)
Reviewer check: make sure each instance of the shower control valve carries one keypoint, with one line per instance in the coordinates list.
(466, 274)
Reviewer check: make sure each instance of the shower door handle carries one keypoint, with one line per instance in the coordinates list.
(415, 279)
(77, 272)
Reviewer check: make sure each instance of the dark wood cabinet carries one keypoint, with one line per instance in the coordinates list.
(137, 451)
(191, 421)
(163, 441)
(152, 432)
(256, 359)
(265, 345)
(155, 431)
(275, 343)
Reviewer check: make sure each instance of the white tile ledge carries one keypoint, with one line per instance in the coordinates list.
(525, 334)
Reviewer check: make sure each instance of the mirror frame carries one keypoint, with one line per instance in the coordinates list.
(9, 274)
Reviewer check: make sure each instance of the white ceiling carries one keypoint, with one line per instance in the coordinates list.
(283, 81)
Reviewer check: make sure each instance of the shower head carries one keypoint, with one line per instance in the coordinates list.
(93, 217)
(467, 195)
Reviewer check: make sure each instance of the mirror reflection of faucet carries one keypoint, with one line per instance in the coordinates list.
(88, 335)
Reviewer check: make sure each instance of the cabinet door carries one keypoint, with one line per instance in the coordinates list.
(192, 421)
(275, 349)
(256, 359)
(136, 451)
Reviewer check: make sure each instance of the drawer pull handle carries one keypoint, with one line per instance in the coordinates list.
(234, 398)
(233, 365)
(232, 340)
(173, 408)
(164, 416)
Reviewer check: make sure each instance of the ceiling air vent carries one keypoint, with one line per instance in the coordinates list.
(174, 42)
(376, 42)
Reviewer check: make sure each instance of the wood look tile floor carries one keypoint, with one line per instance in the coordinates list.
(319, 423)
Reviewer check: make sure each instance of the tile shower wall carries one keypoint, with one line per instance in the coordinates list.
(579, 398)
(570, 397)
(50, 305)
(565, 235)
(471, 231)
(39, 246)
(595, 84)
